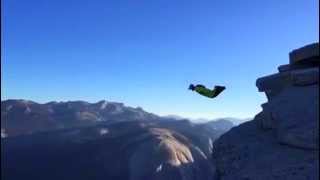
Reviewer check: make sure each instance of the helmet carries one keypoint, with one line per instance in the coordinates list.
(191, 87)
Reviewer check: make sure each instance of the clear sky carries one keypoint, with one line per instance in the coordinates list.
(146, 52)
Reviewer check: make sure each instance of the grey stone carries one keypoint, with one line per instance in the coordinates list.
(284, 68)
(305, 77)
(296, 114)
(272, 81)
(252, 153)
(290, 67)
(305, 54)
(265, 118)
(273, 84)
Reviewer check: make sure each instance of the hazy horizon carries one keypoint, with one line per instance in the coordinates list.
(146, 54)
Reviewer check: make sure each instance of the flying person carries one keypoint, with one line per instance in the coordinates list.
(201, 89)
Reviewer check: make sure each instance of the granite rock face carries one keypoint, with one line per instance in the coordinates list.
(305, 55)
(282, 142)
(293, 100)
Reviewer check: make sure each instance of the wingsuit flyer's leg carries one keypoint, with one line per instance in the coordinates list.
(217, 90)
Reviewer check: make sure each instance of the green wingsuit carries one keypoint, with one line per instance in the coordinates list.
(201, 89)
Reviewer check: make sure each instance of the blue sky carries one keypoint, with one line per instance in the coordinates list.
(146, 52)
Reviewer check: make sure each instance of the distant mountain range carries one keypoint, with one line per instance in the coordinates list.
(235, 121)
(26, 117)
(222, 124)
(103, 140)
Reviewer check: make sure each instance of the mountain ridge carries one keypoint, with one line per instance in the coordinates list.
(20, 116)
